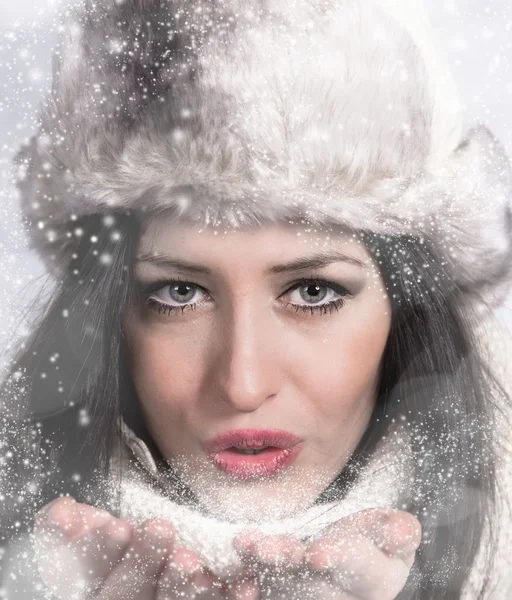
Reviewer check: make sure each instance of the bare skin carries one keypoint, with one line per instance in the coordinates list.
(244, 350)
(248, 348)
(366, 556)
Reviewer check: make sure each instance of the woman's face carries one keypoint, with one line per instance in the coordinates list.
(267, 329)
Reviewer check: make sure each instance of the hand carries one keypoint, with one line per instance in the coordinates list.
(87, 553)
(366, 556)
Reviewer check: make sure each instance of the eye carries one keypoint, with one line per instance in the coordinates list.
(318, 295)
(312, 292)
(174, 295)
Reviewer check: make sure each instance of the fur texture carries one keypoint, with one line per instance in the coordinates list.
(237, 113)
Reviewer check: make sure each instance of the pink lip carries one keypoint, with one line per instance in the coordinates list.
(283, 449)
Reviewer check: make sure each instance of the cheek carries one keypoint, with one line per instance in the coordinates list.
(341, 371)
(164, 371)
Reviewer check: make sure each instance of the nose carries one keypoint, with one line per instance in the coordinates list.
(246, 372)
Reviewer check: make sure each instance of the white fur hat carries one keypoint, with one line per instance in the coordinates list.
(239, 112)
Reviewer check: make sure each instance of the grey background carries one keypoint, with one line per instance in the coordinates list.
(475, 35)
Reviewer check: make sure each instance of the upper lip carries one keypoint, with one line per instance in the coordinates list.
(251, 438)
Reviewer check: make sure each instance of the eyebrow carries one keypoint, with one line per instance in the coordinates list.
(315, 261)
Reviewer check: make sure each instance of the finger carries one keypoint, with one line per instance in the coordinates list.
(401, 537)
(184, 575)
(265, 559)
(396, 533)
(258, 551)
(101, 549)
(67, 519)
(135, 577)
(55, 518)
(356, 566)
(42, 514)
(61, 566)
(87, 518)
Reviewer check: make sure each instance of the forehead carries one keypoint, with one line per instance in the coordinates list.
(164, 234)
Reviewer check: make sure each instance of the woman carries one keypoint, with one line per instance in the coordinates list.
(239, 162)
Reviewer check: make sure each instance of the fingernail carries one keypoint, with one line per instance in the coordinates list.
(68, 519)
(397, 538)
(411, 533)
(45, 511)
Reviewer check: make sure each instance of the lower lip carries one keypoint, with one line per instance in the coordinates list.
(255, 466)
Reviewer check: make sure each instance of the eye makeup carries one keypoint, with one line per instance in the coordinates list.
(148, 292)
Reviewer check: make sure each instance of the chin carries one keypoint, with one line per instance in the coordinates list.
(255, 499)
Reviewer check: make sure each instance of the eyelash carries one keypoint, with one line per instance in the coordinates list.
(160, 307)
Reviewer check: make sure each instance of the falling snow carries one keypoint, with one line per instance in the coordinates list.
(477, 39)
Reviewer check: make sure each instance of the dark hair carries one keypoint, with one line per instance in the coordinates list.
(67, 389)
